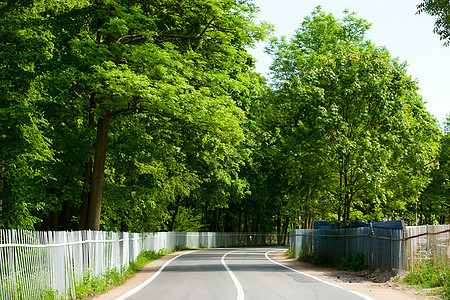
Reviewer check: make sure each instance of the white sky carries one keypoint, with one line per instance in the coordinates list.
(395, 25)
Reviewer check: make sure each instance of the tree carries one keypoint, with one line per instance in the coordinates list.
(176, 75)
(433, 205)
(172, 61)
(352, 119)
(25, 151)
(441, 10)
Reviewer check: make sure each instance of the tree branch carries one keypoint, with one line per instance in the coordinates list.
(206, 27)
(131, 38)
(176, 36)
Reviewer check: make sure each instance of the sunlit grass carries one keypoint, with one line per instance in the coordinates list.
(93, 285)
(431, 274)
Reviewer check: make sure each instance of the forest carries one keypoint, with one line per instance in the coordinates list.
(143, 116)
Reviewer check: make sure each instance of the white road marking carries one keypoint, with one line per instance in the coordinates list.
(237, 284)
(314, 277)
(142, 285)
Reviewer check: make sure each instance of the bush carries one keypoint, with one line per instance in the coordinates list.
(430, 274)
(320, 260)
(353, 263)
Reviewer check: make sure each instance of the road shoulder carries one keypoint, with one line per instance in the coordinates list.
(381, 291)
(138, 278)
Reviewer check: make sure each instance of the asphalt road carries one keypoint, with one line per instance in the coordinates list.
(234, 274)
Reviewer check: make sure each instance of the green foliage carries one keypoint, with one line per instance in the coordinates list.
(355, 133)
(319, 260)
(433, 205)
(195, 140)
(92, 285)
(306, 257)
(25, 151)
(353, 263)
(441, 10)
(174, 79)
(144, 258)
(187, 221)
(429, 274)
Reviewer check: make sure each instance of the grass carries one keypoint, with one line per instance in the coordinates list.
(431, 274)
(93, 285)
(319, 260)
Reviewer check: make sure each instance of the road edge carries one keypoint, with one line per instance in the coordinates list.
(379, 291)
(139, 277)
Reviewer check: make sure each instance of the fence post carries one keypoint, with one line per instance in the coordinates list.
(428, 245)
(390, 250)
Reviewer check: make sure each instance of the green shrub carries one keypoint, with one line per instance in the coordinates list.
(306, 257)
(321, 260)
(430, 274)
(353, 263)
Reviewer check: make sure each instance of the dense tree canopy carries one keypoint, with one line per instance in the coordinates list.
(169, 72)
(353, 121)
(147, 115)
(434, 204)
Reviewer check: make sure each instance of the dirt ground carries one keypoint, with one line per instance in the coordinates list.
(379, 286)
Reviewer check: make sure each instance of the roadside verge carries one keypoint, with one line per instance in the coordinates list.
(380, 291)
(138, 278)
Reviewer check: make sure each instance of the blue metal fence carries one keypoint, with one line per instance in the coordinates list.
(383, 249)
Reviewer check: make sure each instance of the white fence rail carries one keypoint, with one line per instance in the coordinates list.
(35, 263)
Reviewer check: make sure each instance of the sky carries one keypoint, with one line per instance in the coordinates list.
(395, 25)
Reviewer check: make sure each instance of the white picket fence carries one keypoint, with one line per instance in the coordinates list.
(35, 263)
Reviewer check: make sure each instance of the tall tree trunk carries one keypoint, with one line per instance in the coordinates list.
(85, 195)
(247, 223)
(88, 170)
(98, 175)
(240, 221)
(55, 220)
(1, 187)
(278, 229)
(44, 224)
(258, 221)
(285, 228)
(229, 223)
(124, 226)
(66, 215)
(205, 215)
(175, 213)
(347, 203)
(217, 217)
(308, 211)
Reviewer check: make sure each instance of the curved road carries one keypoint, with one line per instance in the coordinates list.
(234, 274)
